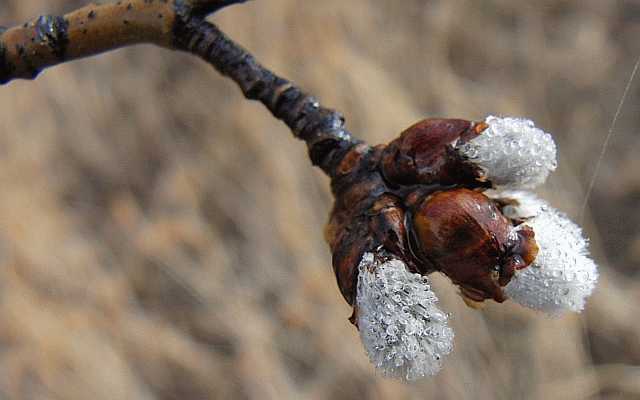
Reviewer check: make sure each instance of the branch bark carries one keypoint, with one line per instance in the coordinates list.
(49, 40)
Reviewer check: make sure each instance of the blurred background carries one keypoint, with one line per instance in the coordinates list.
(161, 237)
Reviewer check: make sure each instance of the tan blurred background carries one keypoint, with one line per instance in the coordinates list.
(161, 237)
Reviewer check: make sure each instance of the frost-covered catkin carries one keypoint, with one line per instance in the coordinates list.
(512, 152)
(403, 331)
(563, 275)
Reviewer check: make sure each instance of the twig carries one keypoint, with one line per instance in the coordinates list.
(408, 208)
(180, 25)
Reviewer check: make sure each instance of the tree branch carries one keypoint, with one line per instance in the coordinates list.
(321, 128)
(180, 25)
(50, 40)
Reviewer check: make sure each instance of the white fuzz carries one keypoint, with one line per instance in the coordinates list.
(562, 276)
(404, 333)
(522, 204)
(512, 152)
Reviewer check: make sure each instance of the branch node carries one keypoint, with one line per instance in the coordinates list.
(52, 31)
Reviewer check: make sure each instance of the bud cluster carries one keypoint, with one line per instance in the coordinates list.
(449, 196)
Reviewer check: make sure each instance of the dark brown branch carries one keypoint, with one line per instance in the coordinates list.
(176, 24)
(321, 128)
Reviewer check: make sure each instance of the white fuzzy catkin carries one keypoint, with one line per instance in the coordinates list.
(404, 333)
(562, 276)
(512, 152)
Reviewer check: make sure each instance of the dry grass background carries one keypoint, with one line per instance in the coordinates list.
(161, 237)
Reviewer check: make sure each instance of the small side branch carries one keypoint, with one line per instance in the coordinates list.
(176, 24)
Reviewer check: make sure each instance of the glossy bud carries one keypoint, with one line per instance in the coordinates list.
(425, 153)
(463, 234)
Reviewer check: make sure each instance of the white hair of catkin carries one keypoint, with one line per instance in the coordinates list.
(562, 275)
(403, 332)
(512, 153)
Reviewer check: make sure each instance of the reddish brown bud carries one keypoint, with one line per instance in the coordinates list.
(424, 153)
(463, 234)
